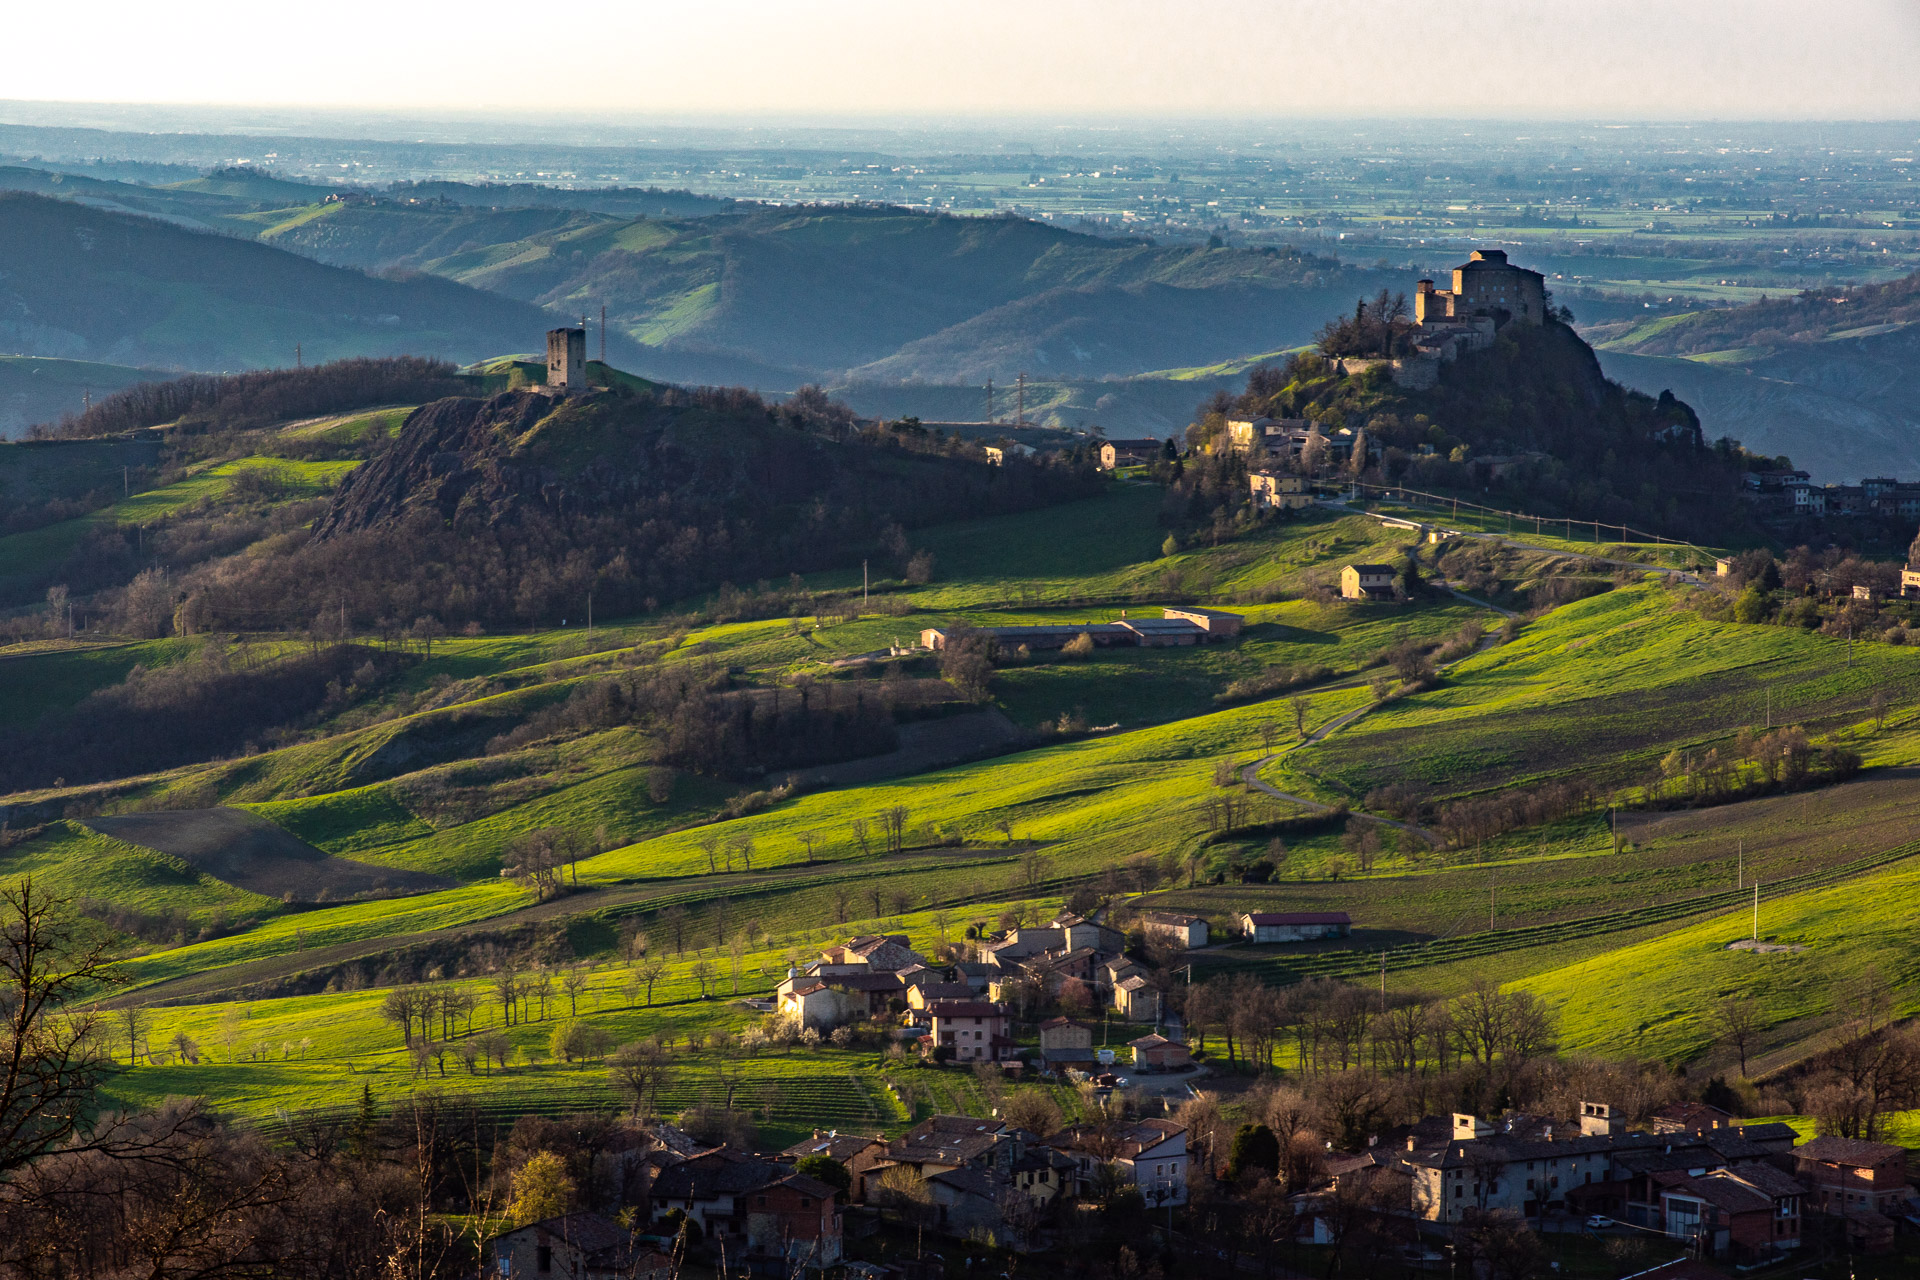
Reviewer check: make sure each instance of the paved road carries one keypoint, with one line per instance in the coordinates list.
(1251, 776)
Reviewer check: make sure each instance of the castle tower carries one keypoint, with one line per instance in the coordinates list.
(567, 359)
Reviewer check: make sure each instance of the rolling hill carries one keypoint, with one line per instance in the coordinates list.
(890, 294)
(89, 284)
(39, 389)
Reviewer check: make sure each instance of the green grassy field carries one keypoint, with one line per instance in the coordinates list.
(1655, 998)
(1607, 685)
(1604, 689)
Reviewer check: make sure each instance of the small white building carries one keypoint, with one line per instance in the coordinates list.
(1295, 926)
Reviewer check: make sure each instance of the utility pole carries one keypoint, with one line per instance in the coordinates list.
(1756, 911)
(126, 489)
(863, 582)
(1740, 866)
(1020, 413)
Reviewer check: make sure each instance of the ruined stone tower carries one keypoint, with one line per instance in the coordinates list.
(567, 359)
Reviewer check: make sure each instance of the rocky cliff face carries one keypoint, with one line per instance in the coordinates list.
(446, 458)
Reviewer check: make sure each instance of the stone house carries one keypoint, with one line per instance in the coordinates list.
(771, 1210)
(1689, 1117)
(1136, 1000)
(860, 1156)
(1851, 1176)
(1065, 1043)
(813, 1003)
(575, 1246)
(1177, 927)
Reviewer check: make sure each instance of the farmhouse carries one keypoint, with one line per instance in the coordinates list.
(1749, 1214)
(1176, 927)
(1278, 490)
(1126, 453)
(955, 1142)
(997, 454)
(1367, 582)
(1295, 926)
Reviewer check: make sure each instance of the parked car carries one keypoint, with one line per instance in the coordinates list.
(1599, 1222)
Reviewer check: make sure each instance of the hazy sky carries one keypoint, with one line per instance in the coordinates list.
(1765, 59)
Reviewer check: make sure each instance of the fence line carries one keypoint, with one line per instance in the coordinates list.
(1407, 495)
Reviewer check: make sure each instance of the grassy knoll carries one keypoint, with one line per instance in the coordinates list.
(1604, 689)
(69, 860)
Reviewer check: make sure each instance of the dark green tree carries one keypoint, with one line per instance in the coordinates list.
(1254, 1148)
